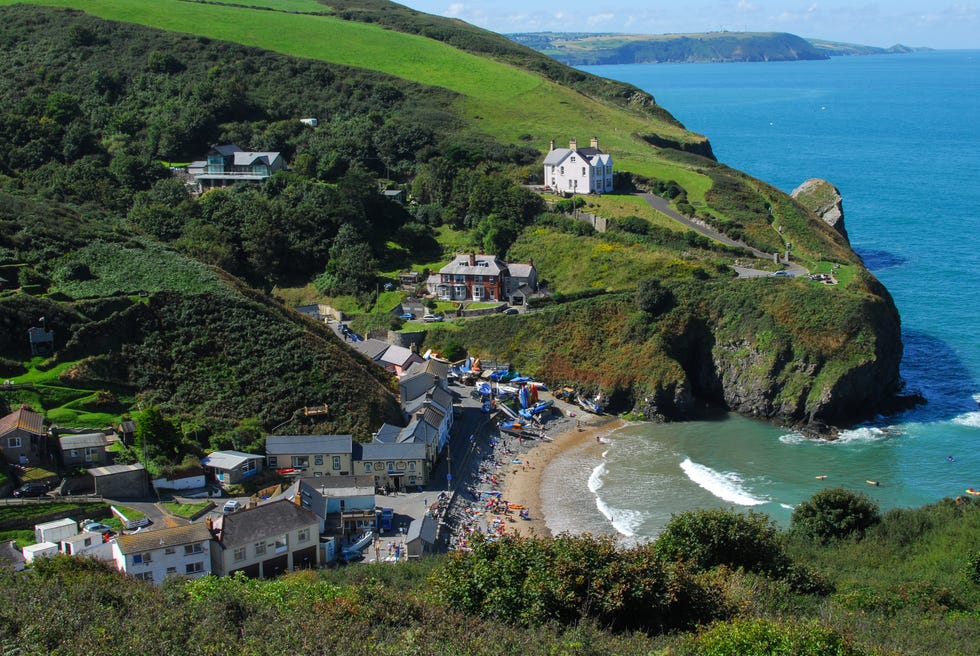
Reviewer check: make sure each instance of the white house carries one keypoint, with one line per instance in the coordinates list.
(578, 170)
(155, 555)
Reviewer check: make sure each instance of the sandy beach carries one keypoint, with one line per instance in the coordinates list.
(522, 486)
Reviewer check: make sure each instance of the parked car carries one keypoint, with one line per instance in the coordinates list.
(231, 507)
(408, 316)
(432, 318)
(31, 490)
(90, 526)
(512, 311)
(782, 274)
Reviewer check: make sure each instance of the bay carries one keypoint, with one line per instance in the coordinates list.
(898, 136)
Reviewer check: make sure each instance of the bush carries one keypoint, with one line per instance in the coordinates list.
(571, 578)
(835, 514)
(652, 297)
(708, 538)
(761, 637)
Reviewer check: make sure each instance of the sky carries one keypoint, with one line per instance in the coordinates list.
(883, 23)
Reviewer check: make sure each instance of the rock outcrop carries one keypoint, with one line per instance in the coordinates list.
(824, 200)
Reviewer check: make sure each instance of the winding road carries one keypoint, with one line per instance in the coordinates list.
(663, 206)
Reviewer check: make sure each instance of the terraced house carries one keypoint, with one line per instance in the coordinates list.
(312, 456)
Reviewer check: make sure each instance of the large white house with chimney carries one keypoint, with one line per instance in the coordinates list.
(578, 170)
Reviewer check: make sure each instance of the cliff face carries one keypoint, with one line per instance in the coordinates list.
(824, 200)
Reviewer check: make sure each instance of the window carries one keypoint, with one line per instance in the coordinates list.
(92, 452)
(317, 460)
(260, 548)
(193, 549)
(248, 466)
(138, 559)
(391, 466)
(171, 571)
(13, 442)
(573, 158)
(336, 462)
(562, 170)
(367, 467)
(411, 466)
(273, 461)
(401, 466)
(300, 462)
(169, 551)
(144, 576)
(239, 554)
(318, 474)
(73, 453)
(583, 170)
(282, 544)
(194, 568)
(303, 535)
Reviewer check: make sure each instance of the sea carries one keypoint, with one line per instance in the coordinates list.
(899, 136)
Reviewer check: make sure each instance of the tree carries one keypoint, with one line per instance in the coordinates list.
(652, 297)
(156, 436)
(352, 267)
(835, 514)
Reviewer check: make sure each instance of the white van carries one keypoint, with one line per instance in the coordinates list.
(231, 507)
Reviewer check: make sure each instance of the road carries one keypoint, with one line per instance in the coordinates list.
(663, 206)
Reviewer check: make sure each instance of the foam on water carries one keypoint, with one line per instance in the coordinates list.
(625, 521)
(595, 479)
(867, 434)
(971, 419)
(725, 486)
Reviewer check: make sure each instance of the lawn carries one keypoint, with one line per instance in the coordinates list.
(185, 510)
(619, 206)
(23, 538)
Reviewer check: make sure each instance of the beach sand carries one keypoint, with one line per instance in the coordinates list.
(523, 486)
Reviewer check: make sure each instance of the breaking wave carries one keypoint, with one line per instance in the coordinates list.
(725, 486)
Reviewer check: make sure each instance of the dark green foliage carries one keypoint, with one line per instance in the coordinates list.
(835, 514)
(973, 567)
(709, 538)
(156, 439)
(571, 578)
(652, 297)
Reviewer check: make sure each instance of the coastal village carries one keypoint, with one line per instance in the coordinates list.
(415, 489)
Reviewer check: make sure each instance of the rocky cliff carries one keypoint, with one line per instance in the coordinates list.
(824, 200)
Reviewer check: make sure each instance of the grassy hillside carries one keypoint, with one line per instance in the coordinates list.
(458, 116)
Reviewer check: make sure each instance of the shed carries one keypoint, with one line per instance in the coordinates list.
(121, 481)
(421, 536)
(55, 531)
(85, 449)
(39, 550)
(229, 467)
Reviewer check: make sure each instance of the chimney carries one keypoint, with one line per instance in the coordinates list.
(552, 145)
(472, 259)
(572, 144)
(595, 142)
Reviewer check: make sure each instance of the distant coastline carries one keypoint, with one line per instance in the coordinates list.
(596, 49)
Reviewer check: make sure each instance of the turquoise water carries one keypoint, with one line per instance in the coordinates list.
(898, 136)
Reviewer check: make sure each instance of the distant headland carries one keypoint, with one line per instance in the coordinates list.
(591, 49)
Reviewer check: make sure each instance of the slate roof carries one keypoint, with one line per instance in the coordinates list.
(372, 348)
(519, 270)
(276, 445)
(399, 356)
(163, 537)
(376, 451)
(388, 434)
(24, 419)
(486, 265)
(249, 526)
(422, 527)
(227, 459)
(83, 441)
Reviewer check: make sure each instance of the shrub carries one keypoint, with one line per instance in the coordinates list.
(835, 514)
(708, 538)
(761, 637)
(652, 297)
(973, 567)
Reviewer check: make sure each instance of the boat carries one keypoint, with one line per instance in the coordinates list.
(589, 405)
(970, 490)
(536, 409)
(354, 551)
(875, 483)
(821, 477)
(507, 410)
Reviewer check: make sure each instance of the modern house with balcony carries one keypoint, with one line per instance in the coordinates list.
(225, 165)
